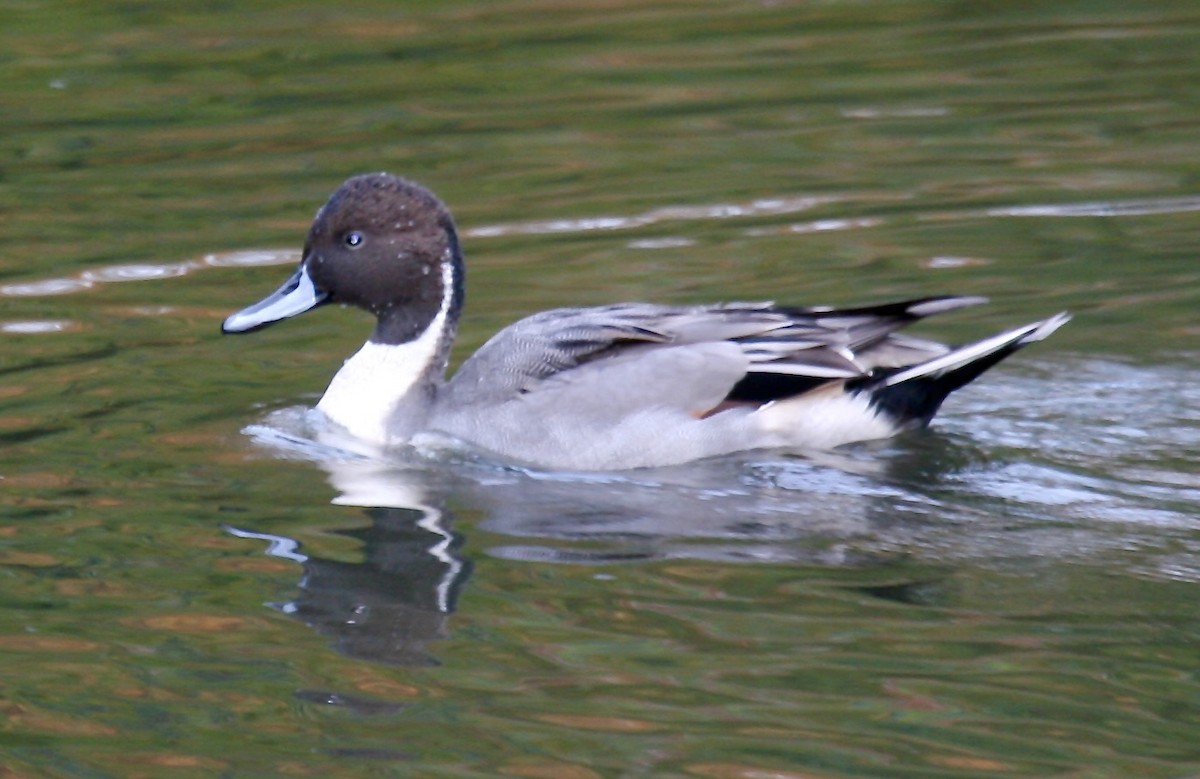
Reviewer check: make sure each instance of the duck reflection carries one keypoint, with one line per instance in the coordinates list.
(391, 604)
(839, 510)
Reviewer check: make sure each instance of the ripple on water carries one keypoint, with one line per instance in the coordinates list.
(1094, 449)
(252, 258)
(661, 243)
(944, 261)
(36, 327)
(763, 207)
(1146, 207)
(890, 112)
(141, 272)
(827, 225)
(44, 287)
(89, 278)
(145, 272)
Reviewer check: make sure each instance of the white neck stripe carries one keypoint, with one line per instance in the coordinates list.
(370, 393)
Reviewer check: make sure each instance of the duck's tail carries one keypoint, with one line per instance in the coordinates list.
(910, 396)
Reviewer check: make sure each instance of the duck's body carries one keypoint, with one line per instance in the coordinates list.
(613, 387)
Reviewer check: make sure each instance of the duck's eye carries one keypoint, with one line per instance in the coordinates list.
(353, 239)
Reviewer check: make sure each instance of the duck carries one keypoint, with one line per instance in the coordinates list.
(603, 388)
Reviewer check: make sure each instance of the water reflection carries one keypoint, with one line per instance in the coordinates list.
(36, 326)
(398, 598)
(1143, 207)
(390, 605)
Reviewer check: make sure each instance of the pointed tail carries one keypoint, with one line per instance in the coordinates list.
(913, 394)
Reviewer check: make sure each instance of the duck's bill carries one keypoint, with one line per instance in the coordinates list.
(297, 295)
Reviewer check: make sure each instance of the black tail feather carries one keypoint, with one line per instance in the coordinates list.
(915, 402)
(912, 395)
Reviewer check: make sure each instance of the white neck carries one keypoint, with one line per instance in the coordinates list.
(381, 394)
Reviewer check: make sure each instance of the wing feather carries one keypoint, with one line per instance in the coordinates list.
(803, 347)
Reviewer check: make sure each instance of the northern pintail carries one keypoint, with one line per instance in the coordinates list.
(612, 387)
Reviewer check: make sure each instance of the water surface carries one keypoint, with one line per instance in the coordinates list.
(192, 589)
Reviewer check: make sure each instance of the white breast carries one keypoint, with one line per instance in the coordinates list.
(381, 392)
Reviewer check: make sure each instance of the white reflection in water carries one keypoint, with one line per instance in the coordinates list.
(252, 258)
(137, 272)
(44, 287)
(36, 327)
(827, 225)
(661, 243)
(894, 112)
(764, 207)
(1162, 205)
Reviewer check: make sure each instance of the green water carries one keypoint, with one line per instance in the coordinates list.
(186, 591)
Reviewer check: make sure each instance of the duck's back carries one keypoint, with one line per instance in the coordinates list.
(640, 384)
